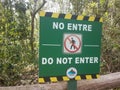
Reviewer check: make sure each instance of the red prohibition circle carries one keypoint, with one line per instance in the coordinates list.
(67, 38)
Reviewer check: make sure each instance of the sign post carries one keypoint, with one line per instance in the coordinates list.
(69, 48)
(72, 85)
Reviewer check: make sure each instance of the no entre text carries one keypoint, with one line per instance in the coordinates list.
(72, 26)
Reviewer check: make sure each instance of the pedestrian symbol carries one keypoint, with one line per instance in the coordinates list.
(72, 43)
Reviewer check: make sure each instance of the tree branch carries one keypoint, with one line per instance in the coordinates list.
(44, 1)
(32, 25)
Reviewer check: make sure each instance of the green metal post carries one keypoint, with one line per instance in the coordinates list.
(72, 85)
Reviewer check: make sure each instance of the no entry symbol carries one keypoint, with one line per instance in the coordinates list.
(72, 43)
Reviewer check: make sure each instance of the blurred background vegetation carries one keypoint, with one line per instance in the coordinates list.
(19, 35)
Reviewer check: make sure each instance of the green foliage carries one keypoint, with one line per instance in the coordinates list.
(110, 40)
(117, 3)
(79, 6)
(102, 2)
(20, 7)
(15, 52)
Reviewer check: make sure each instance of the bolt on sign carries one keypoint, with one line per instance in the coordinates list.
(69, 47)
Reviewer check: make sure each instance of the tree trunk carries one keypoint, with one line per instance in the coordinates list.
(32, 33)
(33, 13)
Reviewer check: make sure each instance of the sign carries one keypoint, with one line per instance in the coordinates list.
(69, 47)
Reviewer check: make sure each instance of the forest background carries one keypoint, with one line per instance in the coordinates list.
(19, 35)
